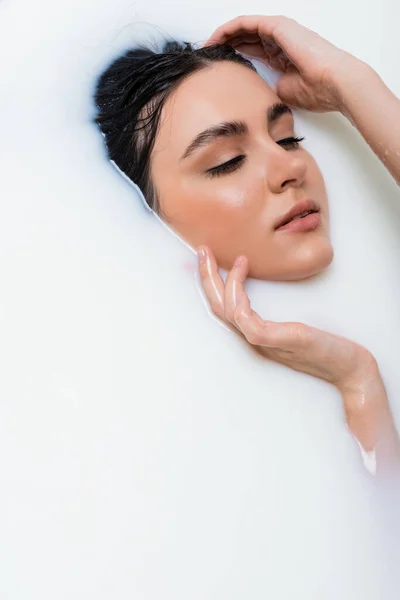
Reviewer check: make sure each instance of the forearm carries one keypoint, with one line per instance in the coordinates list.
(370, 421)
(373, 109)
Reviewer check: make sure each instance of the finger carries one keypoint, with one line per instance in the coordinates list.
(234, 286)
(232, 29)
(211, 281)
(257, 331)
(245, 38)
(290, 87)
(252, 50)
(255, 24)
(278, 63)
(236, 40)
(235, 27)
(238, 310)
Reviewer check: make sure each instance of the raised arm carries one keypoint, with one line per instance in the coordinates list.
(373, 109)
(318, 76)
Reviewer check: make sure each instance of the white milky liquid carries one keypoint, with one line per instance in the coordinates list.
(145, 453)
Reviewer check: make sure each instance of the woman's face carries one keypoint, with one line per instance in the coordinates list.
(225, 115)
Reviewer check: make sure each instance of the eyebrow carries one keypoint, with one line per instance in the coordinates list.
(232, 128)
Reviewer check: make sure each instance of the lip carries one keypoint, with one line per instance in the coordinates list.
(285, 223)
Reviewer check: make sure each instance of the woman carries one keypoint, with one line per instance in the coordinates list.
(214, 150)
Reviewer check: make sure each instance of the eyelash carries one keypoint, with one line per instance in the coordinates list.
(290, 143)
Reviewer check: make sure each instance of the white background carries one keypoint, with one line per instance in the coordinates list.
(144, 452)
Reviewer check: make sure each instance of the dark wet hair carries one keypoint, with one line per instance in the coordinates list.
(131, 93)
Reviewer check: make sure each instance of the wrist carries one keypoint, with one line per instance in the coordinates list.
(347, 79)
(362, 374)
(365, 403)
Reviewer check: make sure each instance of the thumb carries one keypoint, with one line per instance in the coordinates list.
(289, 86)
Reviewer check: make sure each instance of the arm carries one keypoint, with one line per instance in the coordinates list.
(348, 366)
(318, 76)
(373, 109)
(369, 418)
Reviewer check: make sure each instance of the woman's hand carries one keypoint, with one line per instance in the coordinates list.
(345, 364)
(330, 357)
(320, 77)
(310, 64)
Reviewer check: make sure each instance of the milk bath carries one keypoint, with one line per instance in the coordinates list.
(146, 453)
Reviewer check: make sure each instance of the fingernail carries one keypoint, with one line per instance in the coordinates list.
(201, 253)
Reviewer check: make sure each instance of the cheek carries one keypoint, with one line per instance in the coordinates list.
(202, 209)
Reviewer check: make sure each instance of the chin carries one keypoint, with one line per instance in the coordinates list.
(311, 261)
(307, 262)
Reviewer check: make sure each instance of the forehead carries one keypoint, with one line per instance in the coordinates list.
(224, 91)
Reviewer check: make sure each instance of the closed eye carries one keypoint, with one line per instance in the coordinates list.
(291, 143)
(227, 167)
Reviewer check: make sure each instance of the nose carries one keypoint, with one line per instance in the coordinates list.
(285, 168)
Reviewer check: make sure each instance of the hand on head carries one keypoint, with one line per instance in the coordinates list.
(309, 63)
